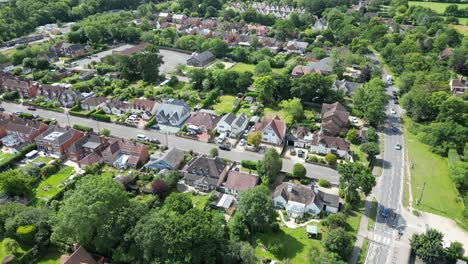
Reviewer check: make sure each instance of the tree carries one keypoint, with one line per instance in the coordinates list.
(371, 149)
(263, 67)
(254, 139)
(104, 132)
(14, 183)
(355, 177)
(316, 255)
(178, 202)
(108, 210)
(459, 173)
(428, 246)
(371, 135)
(299, 171)
(453, 109)
(331, 158)
(293, 110)
(214, 152)
(352, 136)
(11, 246)
(265, 87)
(239, 252)
(369, 102)
(335, 220)
(194, 236)
(256, 209)
(453, 252)
(159, 187)
(339, 242)
(315, 88)
(270, 166)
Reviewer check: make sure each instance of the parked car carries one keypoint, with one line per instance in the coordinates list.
(142, 137)
(394, 129)
(354, 119)
(221, 138)
(2, 109)
(300, 153)
(35, 116)
(292, 151)
(242, 142)
(385, 212)
(17, 112)
(395, 101)
(392, 111)
(31, 108)
(224, 147)
(155, 141)
(397, 146)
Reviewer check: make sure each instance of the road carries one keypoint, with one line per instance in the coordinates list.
(313, 171)
(383, 247)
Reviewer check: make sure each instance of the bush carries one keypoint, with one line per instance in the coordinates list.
(26, 115)
(101, 116)
(48, 170)
(312, 158)
(26, 233)
(214, 152)
(151, 122)
(10, 96)
(82, 128)
(299, 171)
(249, 164)
(324, 183)
(10, 245)
(331, 159)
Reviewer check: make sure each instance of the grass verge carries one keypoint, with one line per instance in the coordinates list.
(372, 214)
(363, 252)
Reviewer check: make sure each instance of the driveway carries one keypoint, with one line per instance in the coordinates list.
(83, 63)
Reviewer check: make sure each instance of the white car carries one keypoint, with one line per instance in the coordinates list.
(221, 138)
(354, 119)
(392, 111)
(142, 137)
(242, 142)
(397, 146)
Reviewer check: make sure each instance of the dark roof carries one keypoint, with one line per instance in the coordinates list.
(94, 100)
(204, 57)
(334, 118)
(203, 119)
(240, 181)
(329, 199)
(206, 166)
(330, 142)
(295, 192)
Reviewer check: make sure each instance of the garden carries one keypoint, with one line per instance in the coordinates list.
(54, 184)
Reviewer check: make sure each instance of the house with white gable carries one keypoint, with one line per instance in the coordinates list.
(115, 107)
(232, 125)
(273, 130)
(299, 199)
(173, 112)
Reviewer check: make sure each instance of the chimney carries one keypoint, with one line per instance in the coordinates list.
(76, 246)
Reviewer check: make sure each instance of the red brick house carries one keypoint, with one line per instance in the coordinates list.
(19, 130)
(122, 153)
(57, 140)
(24, 88)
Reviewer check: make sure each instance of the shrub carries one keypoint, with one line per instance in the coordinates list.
(26, 233)
(214, 152)
(82, 128)
(299, 171)
(151, 122)
(324, 183)
(10, 96)
(331, 159)
(312, 158)
(10, 245)
(249, 164)
(48, 170)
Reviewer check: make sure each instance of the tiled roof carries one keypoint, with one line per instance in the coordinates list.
(240, 181)
(278, 126)
(295, 192)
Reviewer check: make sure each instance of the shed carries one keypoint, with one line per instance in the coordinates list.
(201, 59)
(311, 231)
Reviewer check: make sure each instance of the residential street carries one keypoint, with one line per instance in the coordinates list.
(313, 171)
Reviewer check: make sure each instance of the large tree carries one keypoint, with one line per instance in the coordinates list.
(372, 149)
(339, 242)
(428, 246)
(96, 215)
(315, 88)
(293, 110)
(369, 102)
(270, 166)
(355, 177)
(13, 183)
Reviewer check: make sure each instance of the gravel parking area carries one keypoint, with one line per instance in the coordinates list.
(171, 59)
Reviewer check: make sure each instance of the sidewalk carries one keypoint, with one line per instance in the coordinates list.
(363, 232)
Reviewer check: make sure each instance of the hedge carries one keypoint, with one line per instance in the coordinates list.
(101, 116)
(10, 96)
(82, 128)
(76, 111)
(248, 164)
(26, 115)
(151, 122)
(5, 164)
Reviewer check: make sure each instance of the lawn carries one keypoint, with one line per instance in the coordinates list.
(199, 201)
(224, 104)
(4, 156)
(372, 214)
(437, 7)
(359, 155)
(53, 182)
(463, 29)
(42, 159)
(243, 67)
(440, 195)
(4, 254)
(363, 252)
(288, 243)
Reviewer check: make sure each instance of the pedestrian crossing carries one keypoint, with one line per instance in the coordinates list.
(382, 239)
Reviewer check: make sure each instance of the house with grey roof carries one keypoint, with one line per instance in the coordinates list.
(232, 125)
(323, 66)
(115, 107)
(300, 137)
(170, 160)
(348, 88)
(205, 173)
(320, 24)
(296, 46)
(93, 102)
(323, 145)
(172, 112)
(201, 59)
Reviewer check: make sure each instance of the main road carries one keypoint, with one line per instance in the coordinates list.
(313, 171)
(383, 245)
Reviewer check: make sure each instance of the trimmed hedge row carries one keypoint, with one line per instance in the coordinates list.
(6, 164)
(82, 128)
(101, 116)
(151, 122)
(248, 164)
(75, 111)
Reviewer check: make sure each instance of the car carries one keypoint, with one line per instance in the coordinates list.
(385, 212)
(2, 109)
(155, 141)
(300, 153)
(397, 146)
(17, 112)
(221, 138)
(354, 119)
(394, 93)
(394, 129)
(31, 108)
(156, 127)
(142, 137)
(224, 147)
(292, 151)
(35, 116)
(242, 142)
(395, 101)
(392, 111)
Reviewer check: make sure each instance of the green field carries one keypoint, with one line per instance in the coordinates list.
(243, 67)
(4, 156)
(224, 104)
(440, 195)
(53, 182)
(437, 7)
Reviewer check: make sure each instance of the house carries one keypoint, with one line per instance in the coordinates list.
(334, 119)
(93, 103)
(164, 16)
(301, 70)
(172, 112)
(171, 160)
(203, 121)
(205, 173)
(446, 54)
(458, 87)
(259, 30)
(79, 256)
(320, 24)
(238, 182)
(297, 199)
(129, 51)
(58, 92)
(69, 49)
(122, 153)
(6, 67)
(300, 137)
(85, 76)
(56, 140)
(232, 125)
(115, 107)
(296, 46)
(348, 88)
(273, 130)
(15, 131)
(273, 44)
(323, 145)
(90, 143)
(323, 66)
(179, 18)
(24, 88)
(201, 59)
(143, 107)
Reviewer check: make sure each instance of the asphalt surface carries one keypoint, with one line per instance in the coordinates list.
(383, 243)
(313, 171)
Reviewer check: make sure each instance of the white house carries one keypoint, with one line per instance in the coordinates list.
(324, 145)
(173, 112)
(299, 199)
(114, 107)
(232, 124)
(273, 130)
